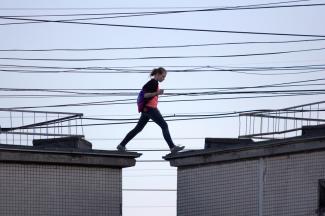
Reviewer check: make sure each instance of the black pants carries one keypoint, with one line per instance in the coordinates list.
(155, 115)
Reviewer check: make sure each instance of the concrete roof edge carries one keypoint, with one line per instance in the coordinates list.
(100, 158)
(258, 149)
(70, 151)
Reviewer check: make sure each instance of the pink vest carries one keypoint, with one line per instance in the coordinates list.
(153, 102)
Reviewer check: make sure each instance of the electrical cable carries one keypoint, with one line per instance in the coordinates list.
(129, 8)
(131, 70)
(136, 14)
(168, 28)
(163, 47)
(132, 101)
(163, 57)
(172, 94)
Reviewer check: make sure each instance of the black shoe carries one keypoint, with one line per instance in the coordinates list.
(121, 148)
(176, 149)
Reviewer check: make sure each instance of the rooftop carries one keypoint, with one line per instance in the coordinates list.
(67, 150)
(227, 149)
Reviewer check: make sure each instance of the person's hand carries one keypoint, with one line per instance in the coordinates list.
(160, 92)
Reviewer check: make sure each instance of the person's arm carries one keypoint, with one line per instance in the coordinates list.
(153, 94)
(150, 89)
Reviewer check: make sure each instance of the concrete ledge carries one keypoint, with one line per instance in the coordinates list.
(310, 131)
(249, 151)
(100, 158)
(224, 143)
(72, 142)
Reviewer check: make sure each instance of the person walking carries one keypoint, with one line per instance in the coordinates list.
(147, 105)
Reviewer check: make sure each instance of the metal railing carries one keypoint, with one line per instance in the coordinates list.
(21, 127)
(280, 123)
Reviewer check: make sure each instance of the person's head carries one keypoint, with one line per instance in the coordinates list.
(159, 74)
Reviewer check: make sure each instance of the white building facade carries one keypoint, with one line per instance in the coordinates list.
(273, 178)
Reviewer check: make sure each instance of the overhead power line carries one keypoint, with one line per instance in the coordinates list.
(197, 69)
(235, 8)
(144, 69)
(132, 101)
(138, 14)
(150, 13)
(121, 92)
(167, 94)
(163, 57)
(261, 72)
(166, 28)
(304, 83)
(161, 47)
(133, 8)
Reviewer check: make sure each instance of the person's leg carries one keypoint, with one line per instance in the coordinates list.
(144, 118)
(156, 116)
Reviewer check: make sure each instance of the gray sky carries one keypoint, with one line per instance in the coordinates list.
(210, 66)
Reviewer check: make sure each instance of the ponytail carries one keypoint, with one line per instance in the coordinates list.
(159, 70)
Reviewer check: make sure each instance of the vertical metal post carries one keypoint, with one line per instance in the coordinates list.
(268, 124)
(275, 123)
(22, 124)
(246, 125)
(40, 129)
(273, 118)
(61, 124)
(34, 127)
(302, 116)
(6, 138)
(82, 126)
(76, 126)
(69, 128)
(254, 124)
(239, 124)
(11, 126)
(279, 122)
(58, 125)
(295, 122)
(47, 129)
(261, 126)
(250, 124)
(285, 125)
(309, 122)
(318, 114)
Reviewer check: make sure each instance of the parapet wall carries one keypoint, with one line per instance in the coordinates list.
(38, 181)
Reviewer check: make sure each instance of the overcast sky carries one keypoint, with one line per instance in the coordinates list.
(229, 48)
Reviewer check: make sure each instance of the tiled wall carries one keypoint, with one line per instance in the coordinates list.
(291, 184)
(50, 190)
(276, 186)
(224, 189)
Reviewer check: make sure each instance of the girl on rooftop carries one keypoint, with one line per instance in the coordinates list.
(147, 105)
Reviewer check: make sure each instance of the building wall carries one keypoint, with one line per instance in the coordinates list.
(52, 190)
(223, 189)
(291, 184)
(281, 186)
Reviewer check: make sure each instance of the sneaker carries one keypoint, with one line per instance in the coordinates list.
(176, 149)
(121, 148)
